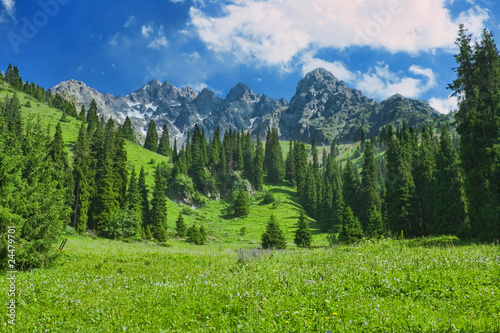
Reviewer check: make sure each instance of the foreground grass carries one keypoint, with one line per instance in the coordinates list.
(103, 286)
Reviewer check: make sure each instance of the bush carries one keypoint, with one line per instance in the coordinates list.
(269, 197)
(181, 188)
(122, 225)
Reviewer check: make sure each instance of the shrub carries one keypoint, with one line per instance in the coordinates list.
(122, 225)
(269, 197)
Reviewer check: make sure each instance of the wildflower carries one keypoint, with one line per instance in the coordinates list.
(287, 322)
(334, 314)
(439, 320)
(124, 328)
(366, 323)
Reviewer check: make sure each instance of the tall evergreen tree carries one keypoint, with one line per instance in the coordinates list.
(144, 193)
(290, 165)
(158, 213)
(127, 131)
(302, 234)
(309, 197)
(350, 187)
(351, 231)
(164, 145)
(450, 210)
(369, 194)
(273, 237)
(258, 176)
(83, 180)
(275, 164)
(180, 227)
(151, 142)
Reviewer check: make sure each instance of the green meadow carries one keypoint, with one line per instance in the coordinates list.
(431, 285)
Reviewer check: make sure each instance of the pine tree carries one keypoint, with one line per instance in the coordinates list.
(309, 196)
(133, 202)
(273, 237)
(144, 193)
(203, 235)
(92, 118)
(275, 166)
(127, 131)
(369, 195)
(151, 142)
(194, 235)
(302, 234)
(300, 165)
(106, 200)
(449, 197)
(240, 205)
(198, 160)
(290, 165)
(180, 227)
(82, 176)
(351, 187)
(164, 145)
(158, 213)
(477, 86)
(258, 176)
(351, 231)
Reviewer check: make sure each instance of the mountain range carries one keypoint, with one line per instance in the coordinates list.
(323, 108)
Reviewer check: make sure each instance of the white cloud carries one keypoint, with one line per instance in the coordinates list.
(444, 105)
(382, 83)
(338, 69)
(9, 10)
(113, 40)
(273, 32)
(158, 43)
(198, 87)
(130, 21)
(146, 30)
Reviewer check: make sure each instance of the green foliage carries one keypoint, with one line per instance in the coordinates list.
(351, 231)
(269, 197)
(180, 227)
(274, 158)
(258, 176)
(127, 131)
(240, 205)
(181, 188)
(302, 234)
(158, 213)
(124, 224)
(273, 237)
(164, 145)
(195, 236)
(151, 142)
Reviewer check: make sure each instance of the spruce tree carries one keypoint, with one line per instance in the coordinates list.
(275, 164)
(258, 165)
(82, 176)
(309, 196)
(164, 145)
(127, 131)
(302, 234)
(151, 142)
(144, 193)
(180, 227)
(369, 195)
(350, 187)
(351, 231)
(107, 200)
(133, 202)
(203, 235)
(290, 165)
(273, 237)
(449, 197)
(158, 213)
(240, 205)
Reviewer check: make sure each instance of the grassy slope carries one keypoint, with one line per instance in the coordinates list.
(221, 228)
(104, 286)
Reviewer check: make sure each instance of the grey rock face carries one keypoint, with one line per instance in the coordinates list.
(322, 108)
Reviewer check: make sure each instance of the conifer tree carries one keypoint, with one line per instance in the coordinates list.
(450, 210)
(258, 176)
(370, 198)
(290, 165)
(275, 166)
(92, 118)
(164, 145)
(133, 202)
(127, 131)
(302, 234)
(193, 235)
(240, 205)
(107, 200)
(158, 213)
(144, 193)
(273, 237)
(351, 231)
(180, 227)
(198, 161)
(82, 176)
(300, 165)
(203, 235)
(82, 116)
(350, 187)
(151, 142)
(309, 197)
(120, 168)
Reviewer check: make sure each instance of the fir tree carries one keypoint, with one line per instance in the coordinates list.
(180, 227)
(350, 187)
(370, 199)
(302, 234)
(107, 203)
(275, 165)
(151, 142)
(164, 145)
(449, 197)
(290, 165)
(240, 205)
(273, 237)
(158, 213)
(351, 231)
(82, 176)
(203, 235)
(144, 193)
(127, 131)
(309, 196)
(194, 236)
(258, 176)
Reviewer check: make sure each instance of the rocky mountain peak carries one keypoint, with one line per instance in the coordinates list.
(240, 91)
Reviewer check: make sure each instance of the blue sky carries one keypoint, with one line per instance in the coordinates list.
(380, 47)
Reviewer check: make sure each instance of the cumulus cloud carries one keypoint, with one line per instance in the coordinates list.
(382, 82)
(273, 32)
(156, 36)
(444, 105)
(310, 63)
